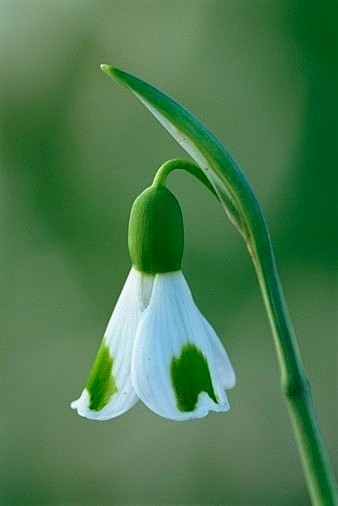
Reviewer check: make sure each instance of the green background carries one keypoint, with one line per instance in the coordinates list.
(76, 149)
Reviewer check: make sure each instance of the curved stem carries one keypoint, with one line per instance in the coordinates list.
(178, 163)
(294, 382)
(239, 201)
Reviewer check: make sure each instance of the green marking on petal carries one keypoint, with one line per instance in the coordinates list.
(190, 376)
(101, 384)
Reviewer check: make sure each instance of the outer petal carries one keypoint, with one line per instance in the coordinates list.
(223, 364)
(179, 367)
(109, 391)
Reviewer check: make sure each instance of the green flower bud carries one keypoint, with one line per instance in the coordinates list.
(155, 236)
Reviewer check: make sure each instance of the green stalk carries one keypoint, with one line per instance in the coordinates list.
(217, 168)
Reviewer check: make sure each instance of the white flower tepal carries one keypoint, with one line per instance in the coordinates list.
(179, 368)
(109, 391)
(157, 347)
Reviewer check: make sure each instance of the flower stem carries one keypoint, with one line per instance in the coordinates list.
(178, 163)
(235, 194)
(294, 383)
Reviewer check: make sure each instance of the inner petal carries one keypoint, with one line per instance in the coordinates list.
(146, 287)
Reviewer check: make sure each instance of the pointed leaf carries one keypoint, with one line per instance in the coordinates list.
(220, 168)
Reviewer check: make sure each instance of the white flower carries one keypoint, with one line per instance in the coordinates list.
(157, 346)
(160, 349)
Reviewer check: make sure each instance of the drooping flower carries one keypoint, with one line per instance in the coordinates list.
(157, 347)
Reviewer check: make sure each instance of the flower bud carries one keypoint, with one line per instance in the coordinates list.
(156, 236)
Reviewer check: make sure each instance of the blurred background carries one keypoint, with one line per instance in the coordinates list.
(76, 149)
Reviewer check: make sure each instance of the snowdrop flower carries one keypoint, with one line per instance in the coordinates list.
(157, 347)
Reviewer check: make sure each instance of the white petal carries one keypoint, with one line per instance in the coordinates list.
(223, 364)
(171, 324)
(118, 338)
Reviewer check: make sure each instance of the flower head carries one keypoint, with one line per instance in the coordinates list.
(157, 347)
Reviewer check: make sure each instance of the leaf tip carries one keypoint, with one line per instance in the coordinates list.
(107, 69)
(112, 72)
